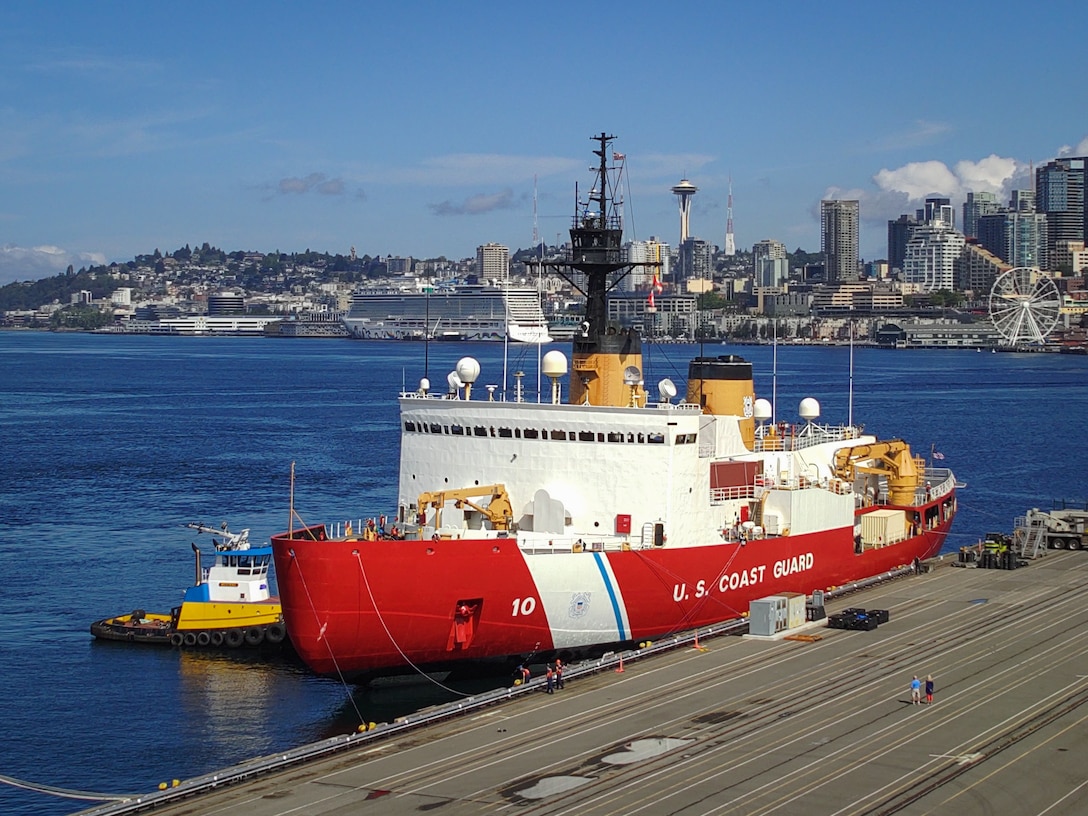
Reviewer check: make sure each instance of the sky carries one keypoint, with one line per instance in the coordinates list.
(428, 128)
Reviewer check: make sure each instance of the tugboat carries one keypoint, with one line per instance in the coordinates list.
(229, 606)
(563, 528)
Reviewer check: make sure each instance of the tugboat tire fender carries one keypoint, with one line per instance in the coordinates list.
(176, 639)
(233, 638)
(275, 633)
(254, 636)
(189, 639)
(217, 638)
(203, 639)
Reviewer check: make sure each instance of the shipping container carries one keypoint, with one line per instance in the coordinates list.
(882, 527)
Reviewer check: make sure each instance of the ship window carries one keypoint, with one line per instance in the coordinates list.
(630, 437)
(614, 436)
(531, 433)
(559, 434)
(446, 429)
(409, 425)
(505, 433)
(656, 439)
(600, 437)
(517, 433)
(492, 430)
(457, 430)
(436, 428)
(585, 436)
(480, 430)
(641, 438)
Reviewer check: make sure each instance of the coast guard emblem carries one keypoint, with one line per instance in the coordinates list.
(579, 604)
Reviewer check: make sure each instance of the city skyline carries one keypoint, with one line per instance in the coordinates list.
(420, 130)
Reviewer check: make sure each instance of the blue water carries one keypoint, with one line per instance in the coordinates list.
(110, 444)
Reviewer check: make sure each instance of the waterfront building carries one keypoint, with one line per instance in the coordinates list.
(839, 239)
(226, 303)
(1070, 256)
(640, 278)
(1059, 192)
(931, 255)
(976, 206)
(977, 268)
(1018, 237)
(770, 263)
(899, 232)
(493, 263)
(938, 209)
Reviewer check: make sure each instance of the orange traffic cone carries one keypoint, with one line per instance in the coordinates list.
(619, 668)
(696, 645)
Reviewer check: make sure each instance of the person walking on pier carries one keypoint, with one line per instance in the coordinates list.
(915, 690)
(558, 673)
(550, 677)
(929, 689)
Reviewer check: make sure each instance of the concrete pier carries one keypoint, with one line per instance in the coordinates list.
(746, 726)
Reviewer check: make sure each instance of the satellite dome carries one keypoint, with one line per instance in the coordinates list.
(810, 409)
(554, 364)
(762, 410)
(468, 369)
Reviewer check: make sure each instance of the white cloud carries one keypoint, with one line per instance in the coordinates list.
(919, 179)
(32, 263)
(1080, 150)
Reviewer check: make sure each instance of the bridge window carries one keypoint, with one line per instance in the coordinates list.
(560, 435)
(506, 433)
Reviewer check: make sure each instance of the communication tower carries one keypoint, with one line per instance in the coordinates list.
(730, 241)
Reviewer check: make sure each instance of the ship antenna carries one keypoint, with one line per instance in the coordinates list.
(774, 373)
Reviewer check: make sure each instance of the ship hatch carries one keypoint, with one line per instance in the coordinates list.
(466, 619)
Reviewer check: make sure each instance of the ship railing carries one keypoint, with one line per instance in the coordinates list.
(790, 437)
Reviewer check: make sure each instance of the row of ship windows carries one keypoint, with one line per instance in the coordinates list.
(533, 433)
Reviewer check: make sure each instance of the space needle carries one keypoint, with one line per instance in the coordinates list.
(683, 192)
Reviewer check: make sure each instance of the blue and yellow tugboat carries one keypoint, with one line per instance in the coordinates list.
(229, 606)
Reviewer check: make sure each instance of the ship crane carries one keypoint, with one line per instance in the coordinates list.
(891, 459)
(498, 512)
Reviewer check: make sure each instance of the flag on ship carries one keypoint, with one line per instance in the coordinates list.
(618, 156)
(938, 455)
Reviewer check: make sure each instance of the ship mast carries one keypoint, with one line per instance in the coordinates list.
(607, 358)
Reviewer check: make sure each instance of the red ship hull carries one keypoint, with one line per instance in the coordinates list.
(356, 607)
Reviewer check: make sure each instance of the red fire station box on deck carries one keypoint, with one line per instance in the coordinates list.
(623, 523)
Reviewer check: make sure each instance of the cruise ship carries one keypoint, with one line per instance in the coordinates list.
(457, 312)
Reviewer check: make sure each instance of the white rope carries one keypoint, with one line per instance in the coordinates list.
(65, 792)
(393, 640)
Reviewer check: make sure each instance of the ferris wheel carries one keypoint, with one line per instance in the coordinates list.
(1024, 306)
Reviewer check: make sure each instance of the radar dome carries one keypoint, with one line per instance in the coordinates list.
(762, 410)
(468, 369)
(554, 364)
(424, 384)
(810, 409)
(454, 381)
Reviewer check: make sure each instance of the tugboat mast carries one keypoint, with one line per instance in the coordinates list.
(607, 358)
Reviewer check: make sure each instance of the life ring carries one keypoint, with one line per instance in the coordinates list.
(217, 639)
(189, 639)
(275, 633)
(175, 639)
(233, 638)
(203, 639)
(254, 636)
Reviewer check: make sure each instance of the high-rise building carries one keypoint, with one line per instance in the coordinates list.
(1016, 236)
(976, 206)
(977, 268)
(493, 263)
(1059, 192)
(640, 278)
(1022, 201)
(695, 260)
(770, 265)
(899, 232)
(930, 261)
(839, 239)
(938, 209)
